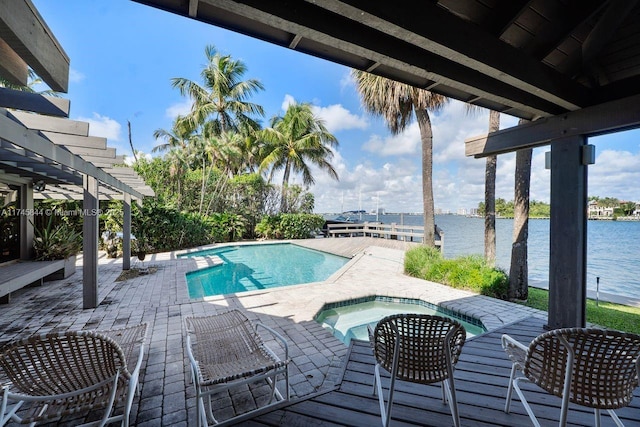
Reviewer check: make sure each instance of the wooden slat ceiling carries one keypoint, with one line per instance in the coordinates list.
(530, 59)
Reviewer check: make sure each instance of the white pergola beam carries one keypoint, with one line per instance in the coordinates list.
(34, 102)
(52, 124)
(30, 140)
(69, 141)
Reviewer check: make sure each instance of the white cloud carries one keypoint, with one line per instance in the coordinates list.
(178, 109)
(103, 126)
(406, 143)
(615, 174)
(335, 117)
(75, 76)
(288, 100)
(338, 118)
(458, 181)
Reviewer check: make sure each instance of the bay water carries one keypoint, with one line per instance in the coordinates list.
(613, 248)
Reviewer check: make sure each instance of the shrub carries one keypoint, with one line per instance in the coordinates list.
(56, 242)
(469, 272)
(289, 226)
(226, 227)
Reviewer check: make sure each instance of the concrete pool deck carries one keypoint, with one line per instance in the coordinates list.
(161, 299)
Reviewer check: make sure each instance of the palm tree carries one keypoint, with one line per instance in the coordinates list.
(177, 142)
(519, 268)
(396, 103)
(177, 137)
(294, 143)
(490, 196)
(223, 97)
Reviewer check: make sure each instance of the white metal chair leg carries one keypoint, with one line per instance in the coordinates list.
(507, 405)
(516, 387)
(449, 388)
(615, 418)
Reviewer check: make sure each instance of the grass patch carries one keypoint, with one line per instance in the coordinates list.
(469, 272)
(609, 315)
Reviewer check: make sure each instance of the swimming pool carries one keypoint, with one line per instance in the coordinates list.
(348, 320)
(265, 266)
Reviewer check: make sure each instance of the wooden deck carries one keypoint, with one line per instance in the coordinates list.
(349, 246)
(481, 383)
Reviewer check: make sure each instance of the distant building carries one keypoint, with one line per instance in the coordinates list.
(595, 210)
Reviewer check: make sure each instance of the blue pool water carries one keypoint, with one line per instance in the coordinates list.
(254, 267)
(350, 321)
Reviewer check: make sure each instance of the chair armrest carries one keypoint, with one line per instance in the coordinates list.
(278, 337)
(516, 351)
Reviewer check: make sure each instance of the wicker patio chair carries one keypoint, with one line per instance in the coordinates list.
(590, 367)
(70, 373)
(226, 351)
(418, 348)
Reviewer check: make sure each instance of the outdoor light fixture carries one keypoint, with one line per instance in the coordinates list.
(39, 185)
(587, 153)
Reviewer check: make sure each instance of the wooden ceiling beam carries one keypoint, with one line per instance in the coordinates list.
(439, 32)
(339, 39)
(600, 119)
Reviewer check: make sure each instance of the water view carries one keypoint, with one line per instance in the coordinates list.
(612, 253)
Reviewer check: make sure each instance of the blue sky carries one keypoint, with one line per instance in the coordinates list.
(124, 54)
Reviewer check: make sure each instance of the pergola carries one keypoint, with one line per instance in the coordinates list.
(43, 154)
(572, 67)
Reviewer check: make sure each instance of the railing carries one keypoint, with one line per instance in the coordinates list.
(407, 233)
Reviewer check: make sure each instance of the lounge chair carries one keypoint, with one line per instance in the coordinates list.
(418, 348)
(590, 367)
(226, 351)
(71, 373)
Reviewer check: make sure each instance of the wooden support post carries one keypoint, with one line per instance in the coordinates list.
(568, 234)
(90, 243)
(26, 221)
(126, 232)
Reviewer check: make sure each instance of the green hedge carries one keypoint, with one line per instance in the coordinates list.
(289, 226)
(469, 272)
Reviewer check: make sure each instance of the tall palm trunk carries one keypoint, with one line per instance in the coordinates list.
(519, 269)
(426, 138)
(490, 196)
(202, 189)
(285, 187)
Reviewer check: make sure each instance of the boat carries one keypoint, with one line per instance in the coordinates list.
(339, 219)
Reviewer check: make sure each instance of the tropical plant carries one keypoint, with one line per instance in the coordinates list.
(396, 103)
(223, 97)
(54, 242)
(227, 227)
(294, 143)
(176, 143)
(289, 226)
